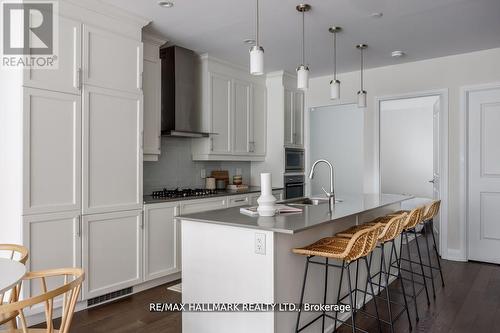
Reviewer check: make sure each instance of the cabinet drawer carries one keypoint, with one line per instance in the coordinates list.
(238, 200)
(204, 205)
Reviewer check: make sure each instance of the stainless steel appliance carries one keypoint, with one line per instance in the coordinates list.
(294, 186)
(294, 160)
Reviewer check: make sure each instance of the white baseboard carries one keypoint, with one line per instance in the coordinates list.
(455, 255)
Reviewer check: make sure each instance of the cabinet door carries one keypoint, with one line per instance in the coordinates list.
(161, 240)
(258, 123)
(112, 252)
(220, 106)
(54, 241)
(298, 118)
(52, 151)
(111, 60)
(242, 111)
(289, 117)
(66, 78)
(203, 205)
(112, 151)
(152, 102)
(238, 200)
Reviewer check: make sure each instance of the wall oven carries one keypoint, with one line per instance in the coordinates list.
(294, 160)
(294, 186)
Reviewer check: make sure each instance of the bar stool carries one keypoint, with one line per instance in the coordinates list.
(392, 227)
(348, 250)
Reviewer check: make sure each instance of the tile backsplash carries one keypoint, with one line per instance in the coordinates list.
(175, 167)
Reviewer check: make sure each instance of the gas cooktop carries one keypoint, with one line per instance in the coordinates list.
(183, 193)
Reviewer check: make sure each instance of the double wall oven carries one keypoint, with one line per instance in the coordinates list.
(294, 180)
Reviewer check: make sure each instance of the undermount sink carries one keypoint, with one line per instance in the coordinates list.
(309, 201)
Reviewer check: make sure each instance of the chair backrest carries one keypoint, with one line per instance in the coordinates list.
(414, 217)
(431, 210)
(18, 253)
(393, 228)
(73, 278)
(362, 242)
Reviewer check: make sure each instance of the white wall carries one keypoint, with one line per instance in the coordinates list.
(450, 73)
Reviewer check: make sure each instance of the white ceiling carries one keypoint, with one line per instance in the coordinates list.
(422, 28)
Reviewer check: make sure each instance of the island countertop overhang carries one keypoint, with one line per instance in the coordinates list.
(311, 216)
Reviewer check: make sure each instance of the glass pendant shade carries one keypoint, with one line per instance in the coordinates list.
(362, 99)
(335, 89)
(303, 77)
(257, 60)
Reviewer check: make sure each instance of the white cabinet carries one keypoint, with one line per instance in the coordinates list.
(54, 241)
(220, 114)
(112, 150)
(52, 151)
(203, 205)
(242, 117)
(111, 61)
(67, 77)
(112, 251)
(162, 248)
(238, 200)
(258, 123)
(152, 97)
(294, 118)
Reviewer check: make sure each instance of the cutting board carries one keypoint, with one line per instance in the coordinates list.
(221, 175)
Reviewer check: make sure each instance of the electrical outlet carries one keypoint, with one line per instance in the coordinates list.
(260, 243)
(203, 173)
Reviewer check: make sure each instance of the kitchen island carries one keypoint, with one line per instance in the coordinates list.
(229, 257)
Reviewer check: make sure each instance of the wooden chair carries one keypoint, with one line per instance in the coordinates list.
(19, 253)
(69, 291)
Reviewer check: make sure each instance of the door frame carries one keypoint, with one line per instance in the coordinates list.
(443, 155)
(463, 203)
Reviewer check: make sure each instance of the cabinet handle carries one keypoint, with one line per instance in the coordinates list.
(79, 78)
(240, 200)
(79, 229)
(211, 144)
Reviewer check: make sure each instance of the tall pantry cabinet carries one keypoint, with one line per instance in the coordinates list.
(80, 151)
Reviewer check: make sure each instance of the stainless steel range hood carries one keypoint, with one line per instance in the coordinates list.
(180, 112)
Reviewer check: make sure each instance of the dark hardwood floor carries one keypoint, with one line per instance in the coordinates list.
(470, 302)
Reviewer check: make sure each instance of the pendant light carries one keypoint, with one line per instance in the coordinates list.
(361, 92)
(257, 51)
(303, 70)
(335, 84)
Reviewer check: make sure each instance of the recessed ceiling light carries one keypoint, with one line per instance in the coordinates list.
(166, 4)
(377, 15)
(249, 41)
(398, 54)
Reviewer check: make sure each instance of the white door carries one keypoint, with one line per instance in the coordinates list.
(111, 60)
(289, 101)
(112, 151)
(258, 121)
(483, 108)
(54, 241)
(67, 77)
(241, 120)
(298, 118)
(161, 240)
(436, 179)
(52, 151)
(111, 252)
(220, 106)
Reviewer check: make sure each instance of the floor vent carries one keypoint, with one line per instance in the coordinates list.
(108, 297)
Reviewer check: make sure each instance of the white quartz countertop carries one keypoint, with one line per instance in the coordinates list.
(311, 216)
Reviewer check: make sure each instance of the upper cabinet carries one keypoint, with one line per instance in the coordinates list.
(152, 96)
(294, 118)
(233, 112)
(106, 55)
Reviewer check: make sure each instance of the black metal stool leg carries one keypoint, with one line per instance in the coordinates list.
(338, 294)
(302, 295)
(437, 253)
(369, 279)
(324, 296)
(411, 272)
(387, 295)
(356, 287)
(401, 282)
(422, 268)
(353, 306)
(366, 285)
(426, 224)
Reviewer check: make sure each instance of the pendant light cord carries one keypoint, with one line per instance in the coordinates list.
(362, 64)
(257, 26)
(303, 40)
(335, 56)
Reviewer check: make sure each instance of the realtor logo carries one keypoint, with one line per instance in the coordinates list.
(29, 34)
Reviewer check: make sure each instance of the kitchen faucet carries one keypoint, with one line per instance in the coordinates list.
(330, 195)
